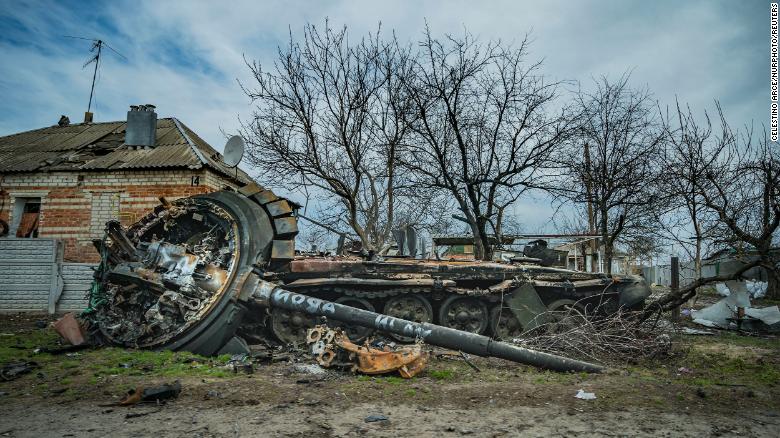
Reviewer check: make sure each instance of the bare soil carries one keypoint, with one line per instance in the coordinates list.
(716, 386)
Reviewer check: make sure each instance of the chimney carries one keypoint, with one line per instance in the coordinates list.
(141, 125)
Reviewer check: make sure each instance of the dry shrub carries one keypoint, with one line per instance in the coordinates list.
(619, 337)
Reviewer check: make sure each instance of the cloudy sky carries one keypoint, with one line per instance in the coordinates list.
(186, 56)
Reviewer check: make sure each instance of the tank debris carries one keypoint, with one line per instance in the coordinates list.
(332, 348)
(191, 272)
(15, 370)
(154, 394)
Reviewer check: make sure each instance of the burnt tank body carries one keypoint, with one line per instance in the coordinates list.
(186, 277)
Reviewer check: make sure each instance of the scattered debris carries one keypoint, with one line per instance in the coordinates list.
(735, 311)
(582, 395)
(241, 363)
(68, 350)
(70, 329)
(468, 362)
(683, 370)
(333, 348)
(375, 417)
(691, 331)
(212, 394)
(313, 368)
(14, 370)
(153, 394)
(755, 289)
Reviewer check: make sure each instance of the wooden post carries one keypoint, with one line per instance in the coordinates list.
(675, 285)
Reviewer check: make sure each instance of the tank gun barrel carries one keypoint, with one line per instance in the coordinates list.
(270, 295)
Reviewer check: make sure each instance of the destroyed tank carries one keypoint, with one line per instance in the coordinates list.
(186, 277)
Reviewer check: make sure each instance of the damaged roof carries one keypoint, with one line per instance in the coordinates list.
(101, 146)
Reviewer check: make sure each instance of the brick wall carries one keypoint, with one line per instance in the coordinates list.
(75, 206)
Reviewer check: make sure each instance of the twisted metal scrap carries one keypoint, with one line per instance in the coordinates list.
(333, 348)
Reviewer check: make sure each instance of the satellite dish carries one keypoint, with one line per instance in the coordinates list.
(234, 151)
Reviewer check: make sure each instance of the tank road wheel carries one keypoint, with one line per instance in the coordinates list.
(357, 333)
(566, 315)
(291, 327)
(507, 327)
(410, 307)
(464, 313)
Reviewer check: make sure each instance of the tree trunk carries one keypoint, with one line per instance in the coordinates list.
(479, 247)
(607, 242)
(481, 241)
(773, 284)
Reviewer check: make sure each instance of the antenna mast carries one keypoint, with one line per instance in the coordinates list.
(99, 45)
(97, 48)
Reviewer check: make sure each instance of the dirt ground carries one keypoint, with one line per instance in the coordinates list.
(723, 385)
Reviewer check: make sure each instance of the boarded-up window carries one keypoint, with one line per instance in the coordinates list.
(28, 222)
(105, 207)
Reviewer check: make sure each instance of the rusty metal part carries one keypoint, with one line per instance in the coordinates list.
(178, 290)
(417, 282)
(120, 239)
(329, 345)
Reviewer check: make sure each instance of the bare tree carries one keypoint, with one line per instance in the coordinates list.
(332, 115)
(691, 152)
(484, 127)
(743, 189)
(612, 161)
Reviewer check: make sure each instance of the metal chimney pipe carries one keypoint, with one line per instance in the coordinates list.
(141, 126)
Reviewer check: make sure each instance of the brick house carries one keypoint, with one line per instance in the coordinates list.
(65, 181)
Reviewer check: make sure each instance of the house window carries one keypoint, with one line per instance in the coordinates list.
(27, 213)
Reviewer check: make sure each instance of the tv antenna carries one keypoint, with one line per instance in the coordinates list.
(97, 49)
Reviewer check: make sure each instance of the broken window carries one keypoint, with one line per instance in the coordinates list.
(28, 213)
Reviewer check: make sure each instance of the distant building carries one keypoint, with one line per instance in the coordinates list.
(65, 181)
(587, 254)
